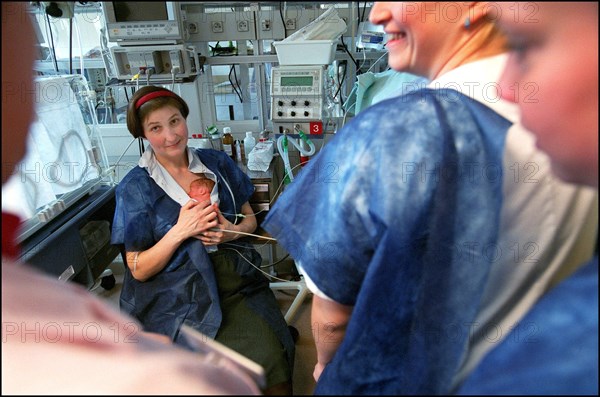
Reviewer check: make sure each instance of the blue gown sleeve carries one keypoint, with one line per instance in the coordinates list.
(133, 223)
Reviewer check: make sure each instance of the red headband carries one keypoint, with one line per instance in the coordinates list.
(152, 95)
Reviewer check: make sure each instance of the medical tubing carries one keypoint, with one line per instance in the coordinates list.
(214, 229)
(306, 140)
(81, 59)
(94, 115)
(256, 267)
(378, 59)
(107, 109)
(282, 147)
(122, 154)
(60, 153)
(235, 220)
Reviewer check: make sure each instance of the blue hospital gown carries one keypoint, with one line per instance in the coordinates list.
(185, 290)
(395, 217)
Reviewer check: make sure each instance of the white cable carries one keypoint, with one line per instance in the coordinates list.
(375, 63)
(214, 229)
(232, 196)
(80, 45)
(258, 268)
(114, 167)
(346, 113)
(105, 119)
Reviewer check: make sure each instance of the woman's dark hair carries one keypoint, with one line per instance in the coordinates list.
(142, 104)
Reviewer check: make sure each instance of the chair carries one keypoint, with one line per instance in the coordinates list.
(303, 293)
(298, 285)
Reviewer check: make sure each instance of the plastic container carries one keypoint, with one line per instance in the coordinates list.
(204, 143)
(239, 153)
(305, 52)
(199, 141)
(249, 143)
(215, 138)
(228, 144)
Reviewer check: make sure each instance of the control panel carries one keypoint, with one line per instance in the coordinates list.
(163, 63)
(147, 30)
(297, 93)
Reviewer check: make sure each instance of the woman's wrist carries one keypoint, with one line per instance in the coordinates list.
(175, 236)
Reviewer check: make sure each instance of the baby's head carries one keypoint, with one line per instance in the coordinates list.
(201, 188)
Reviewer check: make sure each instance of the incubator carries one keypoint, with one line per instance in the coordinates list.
(63, 189)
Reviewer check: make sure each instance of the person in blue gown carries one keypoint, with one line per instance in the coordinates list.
(402, 224)
(554, 349)
(182, 267)
(392, 238)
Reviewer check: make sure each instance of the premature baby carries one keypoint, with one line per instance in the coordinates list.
(201, 188)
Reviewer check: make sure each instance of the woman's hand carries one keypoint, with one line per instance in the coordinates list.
(196, 217)
(214, 237)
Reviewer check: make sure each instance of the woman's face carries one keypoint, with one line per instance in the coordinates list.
(552, 75)
(166, 130)
(421, 35)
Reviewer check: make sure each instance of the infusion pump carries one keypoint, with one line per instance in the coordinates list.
(296, 94)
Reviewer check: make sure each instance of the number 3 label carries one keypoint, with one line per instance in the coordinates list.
(316, 127)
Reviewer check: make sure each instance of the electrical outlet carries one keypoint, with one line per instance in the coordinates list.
(290, 23)
(217, 26)
(265, 25)
(176, 63)
(242, 26)
(193, 27)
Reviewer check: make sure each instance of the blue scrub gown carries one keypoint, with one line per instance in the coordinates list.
(185, 291)
(398, 216)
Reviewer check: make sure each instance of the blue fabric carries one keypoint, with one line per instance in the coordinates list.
(553, 350)
(185, 291)
(394, 217)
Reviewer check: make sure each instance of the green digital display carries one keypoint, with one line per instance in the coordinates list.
(297, 81)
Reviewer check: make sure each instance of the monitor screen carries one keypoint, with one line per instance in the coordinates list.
(140, 11)
(296, 81)
(131, 22)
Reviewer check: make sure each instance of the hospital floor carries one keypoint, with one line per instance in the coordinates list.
(306, 355)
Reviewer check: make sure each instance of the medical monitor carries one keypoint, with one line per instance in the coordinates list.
(144, 22)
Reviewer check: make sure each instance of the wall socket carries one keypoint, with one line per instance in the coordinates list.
(265, 25)
(242, 26)
(290, 23)
(217, 26)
